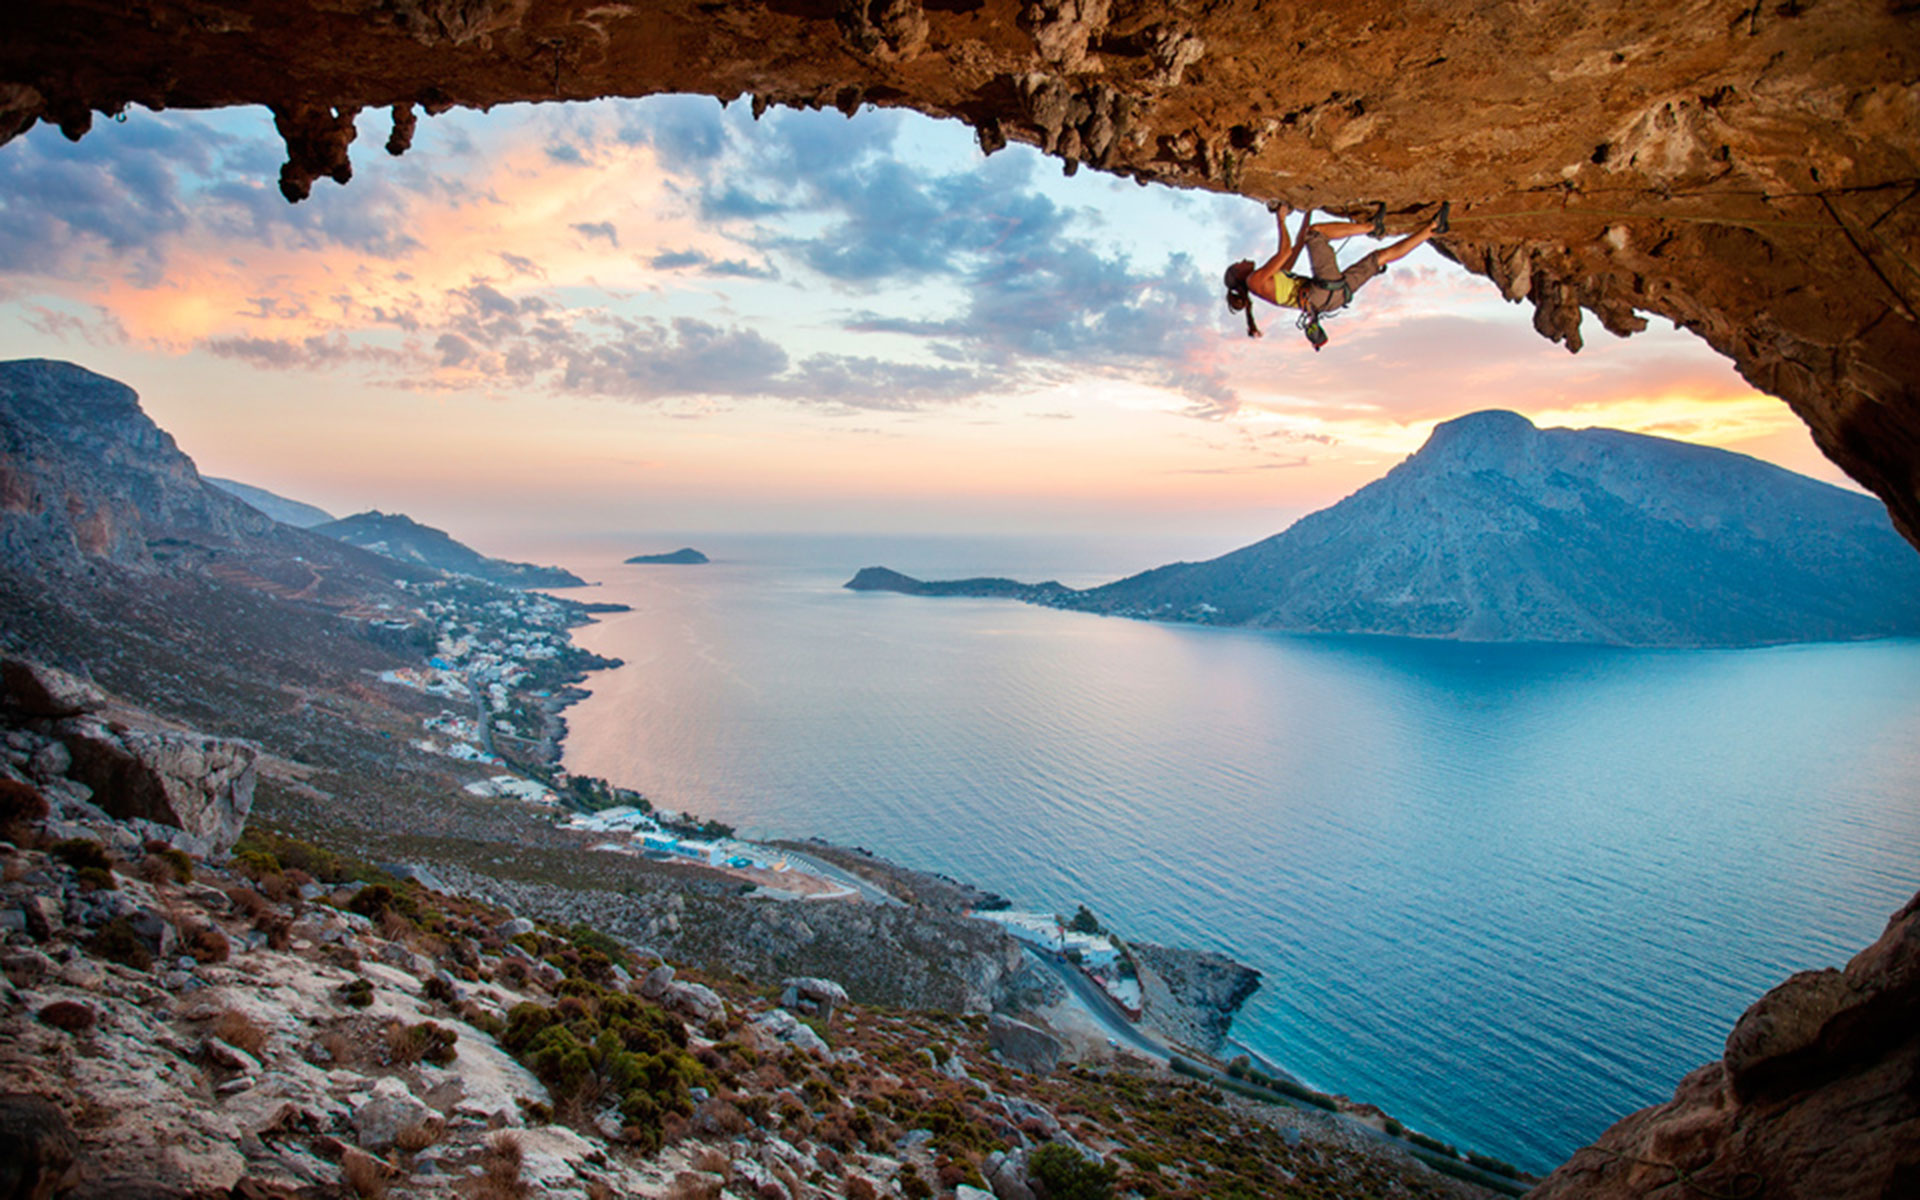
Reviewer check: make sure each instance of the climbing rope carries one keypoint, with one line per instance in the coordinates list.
(1746, 1184)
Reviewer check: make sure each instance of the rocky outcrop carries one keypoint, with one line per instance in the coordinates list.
(1813, 1100)
(1022, 1045)
(904, 957)
(1746, 171)
(37, 1149)
(200, 785)
(1191, 996)
(31, 690)
(181, 787)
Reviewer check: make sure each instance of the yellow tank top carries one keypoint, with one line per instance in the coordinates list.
(1287, 289)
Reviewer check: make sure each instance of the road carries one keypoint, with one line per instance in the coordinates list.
(1103, 1007)
(872, 893)
(1122, 1030)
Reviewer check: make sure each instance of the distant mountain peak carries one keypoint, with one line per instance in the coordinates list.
(1498, 531)
(400, 537)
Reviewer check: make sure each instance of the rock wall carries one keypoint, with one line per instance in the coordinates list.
(1191, 996)
(1816, 1098)
(1748, 171)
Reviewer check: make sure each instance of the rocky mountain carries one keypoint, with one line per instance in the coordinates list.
(403, 539)
(1495, 531)
(89, 483)
(686, 556)
(288, 512)
(1498, 531)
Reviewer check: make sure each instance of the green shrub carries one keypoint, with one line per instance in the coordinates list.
(179, 861)
(1496, 1166)
(82, 854)
(594, 1044)
(357, 993)
(97, 879)
(1431, 1143)
(586, 937)
(424, 1042)
(256, 864)
(377, 900)
(1067, 1176)
(117, 942)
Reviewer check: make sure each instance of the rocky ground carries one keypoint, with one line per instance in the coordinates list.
(183, 1015)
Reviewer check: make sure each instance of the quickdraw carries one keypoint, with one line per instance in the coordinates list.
(1309, 320)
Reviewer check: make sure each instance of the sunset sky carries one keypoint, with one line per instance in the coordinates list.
(661, 315)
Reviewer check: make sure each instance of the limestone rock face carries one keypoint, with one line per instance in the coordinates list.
(1022, 1045)
(33, 689)
(202, 785)
(1814, 1099)
(1745, 171)
(37, 1149)
(1191, 995)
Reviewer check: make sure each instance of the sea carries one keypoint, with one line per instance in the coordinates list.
(1508, 893)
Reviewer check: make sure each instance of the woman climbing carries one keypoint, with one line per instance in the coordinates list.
(1328, 288)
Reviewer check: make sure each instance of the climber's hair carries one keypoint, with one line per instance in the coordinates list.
(1238, 298)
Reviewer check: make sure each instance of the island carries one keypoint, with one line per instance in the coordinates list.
(881, 579)
(686, 556)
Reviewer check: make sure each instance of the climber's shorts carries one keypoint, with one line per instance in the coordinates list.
(1326, 266)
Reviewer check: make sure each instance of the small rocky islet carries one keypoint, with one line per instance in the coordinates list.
(686, 556)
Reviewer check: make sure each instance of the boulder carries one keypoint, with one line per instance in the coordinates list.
(655, 984)
(1007, 1175)
(513, 927)
(420, 875)
(38, 1152)
(695, 1001)
(378, 1122)
(201, 785)
(783, 1026)
(813, 997)
(34, 689)
(1022, 1045)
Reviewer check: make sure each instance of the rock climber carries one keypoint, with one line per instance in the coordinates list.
(1329, 287)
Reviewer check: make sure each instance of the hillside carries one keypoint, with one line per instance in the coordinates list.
(296, 513)
(401, 538)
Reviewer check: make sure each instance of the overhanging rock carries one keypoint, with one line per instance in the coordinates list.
(1749, 172)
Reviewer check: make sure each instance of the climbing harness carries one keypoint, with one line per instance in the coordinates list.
(1309, 319)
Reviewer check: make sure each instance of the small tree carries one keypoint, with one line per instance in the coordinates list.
(1065, 1174)
(1084, 922)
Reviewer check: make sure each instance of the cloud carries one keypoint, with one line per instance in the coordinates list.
(597, 229)
(734, 268)
(673, 260)
(684, 358)
(280, 354)
(869, 383)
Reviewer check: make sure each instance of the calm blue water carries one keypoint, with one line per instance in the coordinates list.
(1507, 893)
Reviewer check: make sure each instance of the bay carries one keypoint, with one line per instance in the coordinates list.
(1508, 893)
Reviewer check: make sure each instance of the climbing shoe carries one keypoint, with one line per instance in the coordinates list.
(1440, 223)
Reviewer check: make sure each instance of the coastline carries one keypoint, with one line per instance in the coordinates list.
(1217, 1057)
